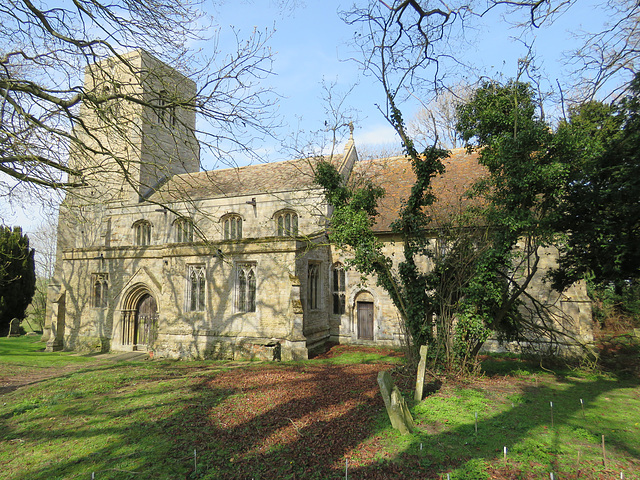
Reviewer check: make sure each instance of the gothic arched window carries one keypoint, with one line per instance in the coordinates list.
(142, 233)
(313, 286)
(196, 290)
(184, 230)
(232, 227)
(165, 110)
(286, 224)
(100, 289)
(246, 287)
(338, 288)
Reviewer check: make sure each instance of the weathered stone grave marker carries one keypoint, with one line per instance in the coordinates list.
(422, 365)
(14, 328)
(397, 409)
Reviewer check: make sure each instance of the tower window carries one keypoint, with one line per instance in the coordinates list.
(165, 110)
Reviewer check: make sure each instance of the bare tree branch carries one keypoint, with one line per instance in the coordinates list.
(47, 53)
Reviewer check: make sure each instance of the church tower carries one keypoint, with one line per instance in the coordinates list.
(137, 129)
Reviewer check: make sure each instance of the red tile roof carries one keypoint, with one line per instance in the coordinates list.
(395, 175)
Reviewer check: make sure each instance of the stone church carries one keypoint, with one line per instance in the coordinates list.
(155, 255)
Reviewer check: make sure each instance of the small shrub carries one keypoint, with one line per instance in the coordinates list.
(584, 434)
(615, 307)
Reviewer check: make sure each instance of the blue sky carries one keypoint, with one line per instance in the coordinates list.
(311, 44)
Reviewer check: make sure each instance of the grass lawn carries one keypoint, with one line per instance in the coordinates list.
(64, 416)
(28, 351)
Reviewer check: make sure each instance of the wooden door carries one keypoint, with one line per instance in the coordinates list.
(365, 320)
(145, 325)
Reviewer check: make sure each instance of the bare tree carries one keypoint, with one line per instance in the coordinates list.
(437, 119)
(605, 62)
(407, 46)
(48, 53)
(43, 241)
(608, 60)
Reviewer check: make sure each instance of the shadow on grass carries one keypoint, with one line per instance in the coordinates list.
(267, 422)
(142, 424)
(530, 412)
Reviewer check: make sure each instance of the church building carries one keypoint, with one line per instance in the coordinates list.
(155, 255)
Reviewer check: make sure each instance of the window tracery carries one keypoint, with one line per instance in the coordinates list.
(142, 233)
(287, 224)
(338, 287)
(232, 227)
(184, 230)
(196, 288)
(313, 286)
(99, 290)
(246, 287)
(165, 110)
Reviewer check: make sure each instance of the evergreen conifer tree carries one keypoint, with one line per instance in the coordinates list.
(17, 276)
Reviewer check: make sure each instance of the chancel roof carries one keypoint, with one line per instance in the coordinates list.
(396, 176)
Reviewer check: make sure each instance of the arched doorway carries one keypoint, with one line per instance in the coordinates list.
(364, 315)
(146, 320)
(140, 320)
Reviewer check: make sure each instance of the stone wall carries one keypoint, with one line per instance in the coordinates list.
(160, 269)
(568, 314)
(97, 241)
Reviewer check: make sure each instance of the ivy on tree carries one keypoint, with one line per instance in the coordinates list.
(478, 282)
(522, 191)
(417, 294)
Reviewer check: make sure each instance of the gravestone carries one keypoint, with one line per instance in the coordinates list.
(422, 365)
(397, 409)
(14, 328)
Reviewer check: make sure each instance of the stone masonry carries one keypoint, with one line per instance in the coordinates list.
(217, 264)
